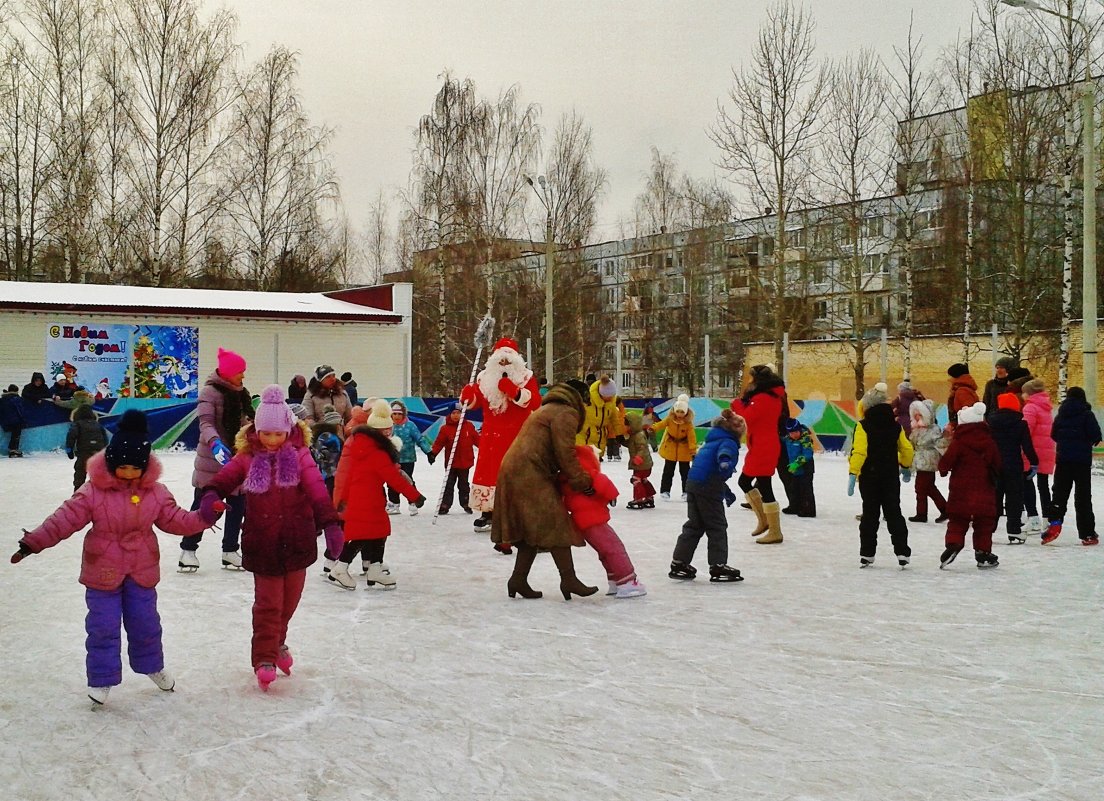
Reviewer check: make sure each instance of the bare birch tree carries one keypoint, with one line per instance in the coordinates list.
(278, 171)
(768, 135)
(175, 67)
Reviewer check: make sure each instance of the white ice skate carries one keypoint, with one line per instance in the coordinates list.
(377, 575)
(339, 576)
(98, 695)
(189, 562)
(163, 680)
(633, 589)
(231, 560)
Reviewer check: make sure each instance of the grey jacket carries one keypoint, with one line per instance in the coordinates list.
(209, 412)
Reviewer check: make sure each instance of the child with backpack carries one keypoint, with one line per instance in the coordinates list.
(120, 564)
(590, 515)
(86, 437)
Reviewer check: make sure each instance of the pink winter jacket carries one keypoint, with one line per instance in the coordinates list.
(1038, 413)
(121, 541)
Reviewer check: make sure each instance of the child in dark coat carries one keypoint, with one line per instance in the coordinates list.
(707, 493)
(974, 463)
(1076, 432)
(590, 515)
(12, 419)
(799, 465)
(881, 457)
(86, 438)
(1019, 461)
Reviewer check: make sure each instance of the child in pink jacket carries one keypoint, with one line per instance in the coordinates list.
(590, 516)
(1038, 413)
(121, 562)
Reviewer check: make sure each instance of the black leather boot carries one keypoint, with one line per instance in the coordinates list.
(519, 581)
(569, 582)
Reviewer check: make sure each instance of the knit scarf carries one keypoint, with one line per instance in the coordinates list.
(236, 403)
(283, 463)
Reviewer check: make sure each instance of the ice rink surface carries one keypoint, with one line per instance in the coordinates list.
(812, 679)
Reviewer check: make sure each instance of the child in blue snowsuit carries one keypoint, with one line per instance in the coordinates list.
(706, 494)
(412, 437)
(798, 443)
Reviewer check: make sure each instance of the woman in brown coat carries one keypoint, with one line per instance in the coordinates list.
(529, 511)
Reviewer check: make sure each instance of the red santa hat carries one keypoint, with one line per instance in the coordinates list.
(506, 342)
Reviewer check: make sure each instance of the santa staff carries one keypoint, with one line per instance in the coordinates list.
(508, 393)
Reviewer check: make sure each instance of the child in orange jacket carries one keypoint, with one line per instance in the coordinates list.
(590, 515)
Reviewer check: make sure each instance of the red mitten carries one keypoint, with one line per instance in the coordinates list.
(637, 460)
(508, 387)
(469, 395)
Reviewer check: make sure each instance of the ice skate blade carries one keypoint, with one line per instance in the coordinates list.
(186, 569)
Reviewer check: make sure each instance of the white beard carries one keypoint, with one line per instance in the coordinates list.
(489, 377)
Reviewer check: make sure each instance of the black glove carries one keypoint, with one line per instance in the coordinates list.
(420, 501)
(24, 550)
(431, 457)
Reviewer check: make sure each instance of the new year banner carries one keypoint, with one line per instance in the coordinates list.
(124, 361)
(94, 356)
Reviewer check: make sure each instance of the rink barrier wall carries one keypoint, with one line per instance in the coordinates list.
(173, 423)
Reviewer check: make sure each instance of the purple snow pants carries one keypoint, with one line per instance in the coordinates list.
(135, 607)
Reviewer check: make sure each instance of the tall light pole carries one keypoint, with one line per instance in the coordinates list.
(1088, 205)
(549, 266)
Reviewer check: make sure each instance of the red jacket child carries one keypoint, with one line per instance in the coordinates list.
(465, 449)
(589, 510)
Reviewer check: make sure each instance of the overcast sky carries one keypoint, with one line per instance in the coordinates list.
(640, 72)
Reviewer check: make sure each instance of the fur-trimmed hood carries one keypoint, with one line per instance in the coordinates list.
(83, 412)
(102, 477)
(247, 442)
(566, 395)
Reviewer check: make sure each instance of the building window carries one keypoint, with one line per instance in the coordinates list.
(626, 380)
(873, 227)
(820, 309)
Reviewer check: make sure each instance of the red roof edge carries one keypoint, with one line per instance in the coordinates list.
(379, 296)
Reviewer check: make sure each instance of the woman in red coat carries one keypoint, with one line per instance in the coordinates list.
(761, 407)
(369, 460)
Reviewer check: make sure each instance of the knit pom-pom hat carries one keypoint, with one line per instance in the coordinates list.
(972, 414)
(380, 416)
(958, 370)
(131, 443)
(1008, 400)
(682, 404)
(273, 413)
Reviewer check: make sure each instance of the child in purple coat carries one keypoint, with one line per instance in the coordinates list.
(120, 567)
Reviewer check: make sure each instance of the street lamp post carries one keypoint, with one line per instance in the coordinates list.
(1088, 205)
(549, 267)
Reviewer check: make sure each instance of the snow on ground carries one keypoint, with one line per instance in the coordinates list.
(810, 680)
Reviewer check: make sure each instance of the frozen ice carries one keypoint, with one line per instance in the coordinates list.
(812, 679)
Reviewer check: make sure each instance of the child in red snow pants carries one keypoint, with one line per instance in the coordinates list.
(275, 599)
(983, 532)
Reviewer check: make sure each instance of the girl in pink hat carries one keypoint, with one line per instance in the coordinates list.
(286, 504)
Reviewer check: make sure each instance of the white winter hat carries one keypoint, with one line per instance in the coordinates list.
(380, 416)
(60, 377)
(972, 414)
(682, 404)
(607, 388)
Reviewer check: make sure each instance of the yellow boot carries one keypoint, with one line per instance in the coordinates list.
(756, 501)
(773, 515)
